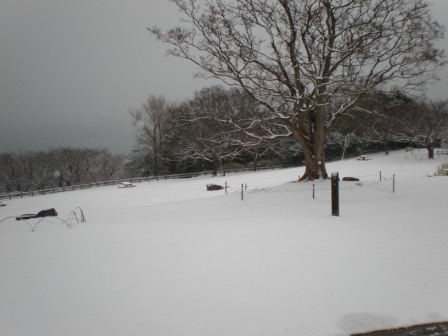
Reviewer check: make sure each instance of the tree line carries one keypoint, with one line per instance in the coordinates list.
(205, 133)
(197, 135)
(60, 167)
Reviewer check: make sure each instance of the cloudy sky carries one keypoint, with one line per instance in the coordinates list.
(70, 70)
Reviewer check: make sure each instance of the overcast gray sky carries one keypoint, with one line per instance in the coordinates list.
(70, 70)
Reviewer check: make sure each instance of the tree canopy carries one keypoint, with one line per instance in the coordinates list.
(308, 62)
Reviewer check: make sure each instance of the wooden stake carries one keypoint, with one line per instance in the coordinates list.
(335, 194)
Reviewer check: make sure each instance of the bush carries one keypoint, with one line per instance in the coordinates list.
(443, 170)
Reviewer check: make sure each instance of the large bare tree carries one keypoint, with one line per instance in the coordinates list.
(308, 61)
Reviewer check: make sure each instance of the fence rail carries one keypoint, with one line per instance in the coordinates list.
(21, 194)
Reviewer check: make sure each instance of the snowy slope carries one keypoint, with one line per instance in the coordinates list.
(170, 258)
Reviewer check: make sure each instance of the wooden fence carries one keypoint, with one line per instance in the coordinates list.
(21, 194)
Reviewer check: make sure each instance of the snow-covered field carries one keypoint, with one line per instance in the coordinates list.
(170, 258)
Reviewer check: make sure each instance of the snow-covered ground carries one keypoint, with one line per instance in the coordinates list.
(170, 258)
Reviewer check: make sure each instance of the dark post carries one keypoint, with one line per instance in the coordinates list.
(314, 191)
(335, 194)
(242, 191)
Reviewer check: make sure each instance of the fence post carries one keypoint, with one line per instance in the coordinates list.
(393, 183)
(335, 194)
(225, 187)
(242, 191)
(314, 191)
(380, 176)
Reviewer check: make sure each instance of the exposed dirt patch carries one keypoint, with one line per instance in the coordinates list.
(430, 329)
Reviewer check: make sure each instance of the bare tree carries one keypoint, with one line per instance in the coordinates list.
(423, 124)
(207, 138)
(308, 62)
(152, 121)
(11, 178)
(18, 171)
(385, 120)
(211, 148)
(211, 139)
(107, 166)
(343, 141)
(70, 166)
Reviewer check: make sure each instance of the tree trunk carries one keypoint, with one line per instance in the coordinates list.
(319, 139)
(255, 165)
(344, 148)
(311, 168)
(430, 149)
(314, 161)
(216, 164)
(314, 152)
